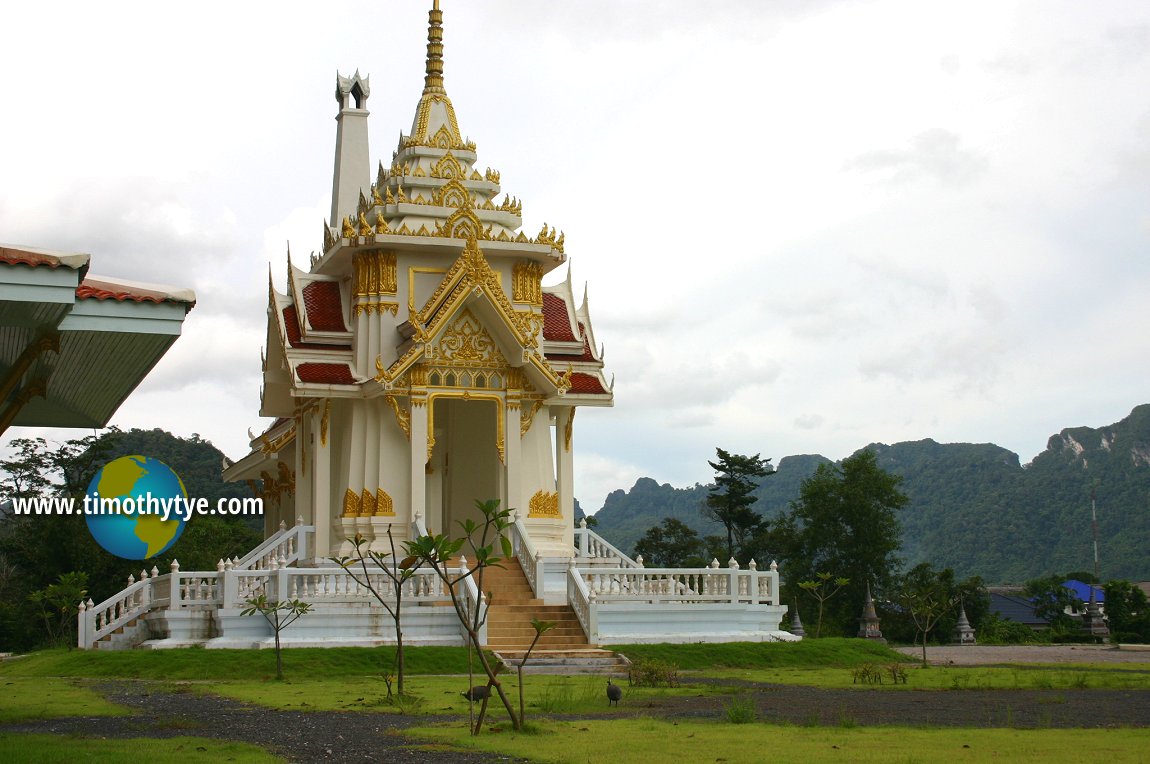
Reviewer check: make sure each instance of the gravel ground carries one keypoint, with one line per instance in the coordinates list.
(317, 736)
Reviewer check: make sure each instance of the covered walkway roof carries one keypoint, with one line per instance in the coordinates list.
(74, 346)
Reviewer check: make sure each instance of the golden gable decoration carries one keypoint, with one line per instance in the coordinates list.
(466, 342)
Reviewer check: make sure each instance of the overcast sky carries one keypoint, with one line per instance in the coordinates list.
(805, 226)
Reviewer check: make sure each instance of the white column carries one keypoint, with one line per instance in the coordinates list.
(564, 464)
(419, 457)
(321, 480)
(513, 491)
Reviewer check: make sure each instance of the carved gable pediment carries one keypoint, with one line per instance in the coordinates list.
(465, 341)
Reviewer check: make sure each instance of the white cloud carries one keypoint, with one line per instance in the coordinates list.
(804, 228)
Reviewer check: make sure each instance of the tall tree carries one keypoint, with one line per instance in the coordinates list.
(671, 545)
(844, 521)
(729, 501)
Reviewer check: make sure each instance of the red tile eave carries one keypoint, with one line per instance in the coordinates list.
(324, 306)
(586, 384)
(31, 259)
(556, 321)
(325, 373)
(88, 292)
(291, 324)
(587, 355)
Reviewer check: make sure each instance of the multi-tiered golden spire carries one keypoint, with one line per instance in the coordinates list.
(433, 80)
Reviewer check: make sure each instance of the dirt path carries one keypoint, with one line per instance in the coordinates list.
(305, 737)
(982, 655)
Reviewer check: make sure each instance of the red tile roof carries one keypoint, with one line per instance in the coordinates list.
(291, 323)
(325, 373)
(324, 306)
(556, 323)
(89, 289)
(586, 383)
(586, 355)
(12, 256)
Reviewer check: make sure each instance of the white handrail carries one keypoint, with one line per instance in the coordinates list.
(529, 558)
(474, 599)
(582, 601)
(589, 544)
(285, 546)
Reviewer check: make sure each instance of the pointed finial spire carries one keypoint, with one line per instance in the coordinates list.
(433, 80)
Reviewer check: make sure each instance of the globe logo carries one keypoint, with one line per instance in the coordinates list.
(122, 507)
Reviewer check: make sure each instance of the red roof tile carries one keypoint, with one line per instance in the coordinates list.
(556, 323)
(12, 256)
(586, 355)
(324, 306)
(325, 373)
(98, 291)
(291, 323)
(586, 383)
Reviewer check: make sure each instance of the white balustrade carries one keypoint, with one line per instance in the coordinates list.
(681, 585)
(589, 545)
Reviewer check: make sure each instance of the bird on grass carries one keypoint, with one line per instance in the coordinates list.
(614, 693)
(478, 692)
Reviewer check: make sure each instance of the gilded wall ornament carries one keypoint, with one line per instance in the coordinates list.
(544, 504)
(526, 277)
(384, 506)
(324, 420)
(527, 416)
(402, 418)
(350, 503)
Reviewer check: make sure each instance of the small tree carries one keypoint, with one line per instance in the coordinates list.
(58, 604)
(822, 589)
(1127, 611)
(729, 501)
(488, 546)
(927, 597)
(541, 628)
(1051, 601)
(398, 575)
(279, 614)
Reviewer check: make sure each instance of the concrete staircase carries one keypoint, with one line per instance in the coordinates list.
(513, 605)
(562, 650)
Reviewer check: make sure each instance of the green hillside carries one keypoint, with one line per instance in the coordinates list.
(973, 507)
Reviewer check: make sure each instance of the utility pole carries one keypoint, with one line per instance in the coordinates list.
(1093, 622)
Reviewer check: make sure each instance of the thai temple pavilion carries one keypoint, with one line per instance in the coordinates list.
(419, 365)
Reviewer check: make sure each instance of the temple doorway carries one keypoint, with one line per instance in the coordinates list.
(465, 464)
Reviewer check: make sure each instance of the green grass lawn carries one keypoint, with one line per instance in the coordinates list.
(27, 698)
(198, 663)
(650, 741)
(52, 749)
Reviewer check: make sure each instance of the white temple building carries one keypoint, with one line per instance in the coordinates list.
(418, 365)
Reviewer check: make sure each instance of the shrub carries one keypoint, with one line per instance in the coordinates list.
(653, 673)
